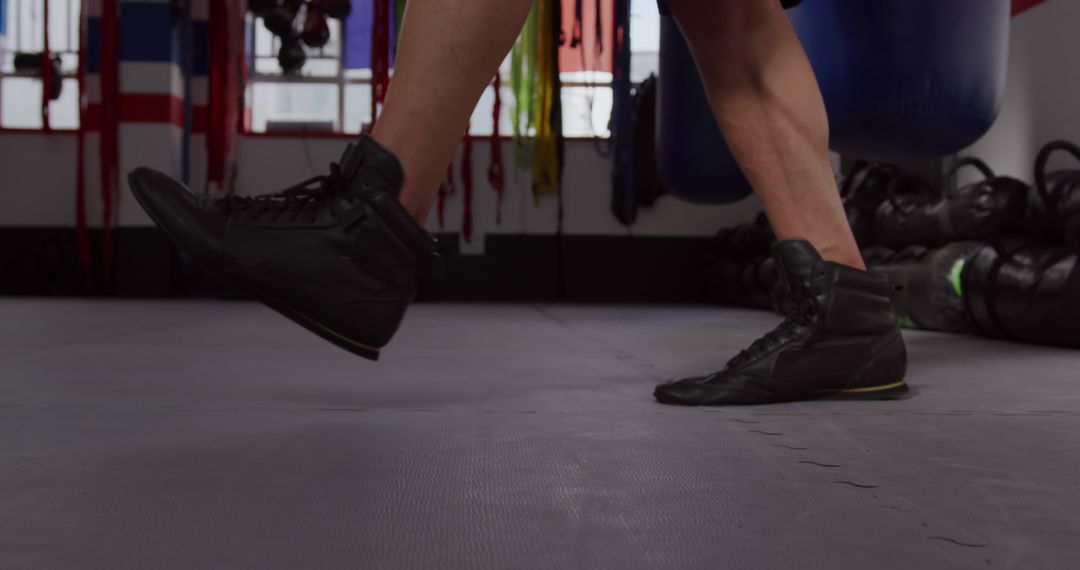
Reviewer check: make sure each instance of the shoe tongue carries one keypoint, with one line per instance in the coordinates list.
(370, 155)
(795, 259)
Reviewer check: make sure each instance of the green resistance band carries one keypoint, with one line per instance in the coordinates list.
(399, 15)
(523, 79)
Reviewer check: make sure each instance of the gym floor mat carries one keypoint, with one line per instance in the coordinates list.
(139, 434)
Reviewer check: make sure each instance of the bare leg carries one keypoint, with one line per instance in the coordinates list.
(448, 52)
(769, 106)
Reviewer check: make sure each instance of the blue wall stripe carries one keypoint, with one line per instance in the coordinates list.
(93, 45)
(147, 34)
(200, 48)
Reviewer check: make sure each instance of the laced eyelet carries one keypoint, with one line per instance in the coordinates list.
(294, 202)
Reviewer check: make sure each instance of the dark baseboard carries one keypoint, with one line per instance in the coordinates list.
(44, 262)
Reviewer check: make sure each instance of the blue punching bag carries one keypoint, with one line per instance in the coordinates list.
(907, 79)
(902, 80)
(692, 157)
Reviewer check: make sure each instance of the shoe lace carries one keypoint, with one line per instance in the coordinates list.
(800, 313)
(311, 196)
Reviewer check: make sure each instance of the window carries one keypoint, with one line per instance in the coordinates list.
(22, 39)
(328, 97)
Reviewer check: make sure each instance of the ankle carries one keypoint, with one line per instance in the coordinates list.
(418, 209)
(848, 256)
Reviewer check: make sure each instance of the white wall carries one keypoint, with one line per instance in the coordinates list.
(1042, 98)
(37, 187)
(1042, 102)
(269, 163)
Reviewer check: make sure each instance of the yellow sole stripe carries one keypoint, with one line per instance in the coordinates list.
(868, 390)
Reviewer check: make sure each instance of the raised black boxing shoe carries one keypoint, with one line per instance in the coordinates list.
(840, 340)
(337, 254)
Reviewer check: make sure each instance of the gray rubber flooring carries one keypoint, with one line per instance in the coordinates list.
(218, 435)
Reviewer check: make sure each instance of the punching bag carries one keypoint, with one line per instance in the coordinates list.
(692, 157)
(903, 80)
(907, 79)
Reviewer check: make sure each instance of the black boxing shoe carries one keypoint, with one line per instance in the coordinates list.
(337, 254)
(840, 339)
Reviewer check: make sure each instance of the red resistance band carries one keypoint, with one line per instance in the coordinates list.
(380, 56)
(445, 191)
(467, 183)
(496, 174)
(225, 90)
(82, 236)
(110, 123)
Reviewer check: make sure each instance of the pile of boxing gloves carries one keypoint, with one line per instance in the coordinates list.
(281, 16)
(741, 272)
(994, 257)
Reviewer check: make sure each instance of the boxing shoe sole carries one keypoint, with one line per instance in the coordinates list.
(887, 362)
(299, 317)
(892, 391)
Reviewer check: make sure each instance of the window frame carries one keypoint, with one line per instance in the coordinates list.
(14, 30)
(342, 81)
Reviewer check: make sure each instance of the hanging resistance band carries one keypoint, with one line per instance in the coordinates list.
(576, 34)
(446, 190)
(380, 56)
(46, 71)
(110, 124)
(598, 43)
(399, 17)
(555, 115)
(624, 199)
(545, 152)
(555, 124)
(223, 112)
(523, 80)
(467, 185)
(82, 235)
(496, 175)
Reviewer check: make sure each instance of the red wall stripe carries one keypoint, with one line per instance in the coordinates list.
(149, 108)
